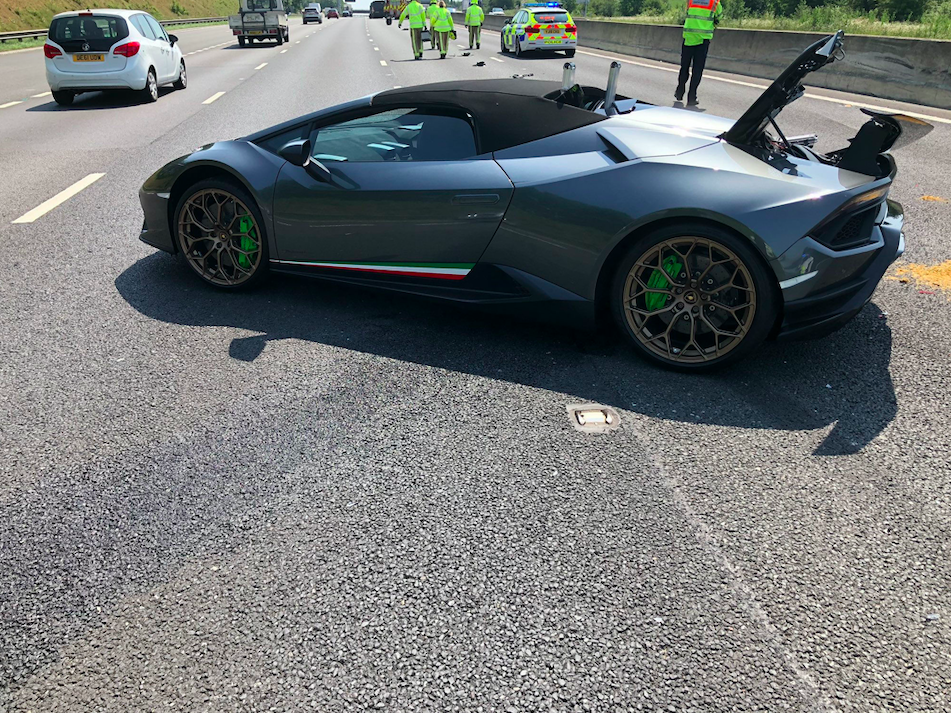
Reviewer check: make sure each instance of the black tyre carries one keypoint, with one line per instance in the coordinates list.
(240, 42)
(63, 98)
(280, 38)
(220, 234)
(182, 80)
(569, 53)
(518, 48)
(150, 93)
(693, 297)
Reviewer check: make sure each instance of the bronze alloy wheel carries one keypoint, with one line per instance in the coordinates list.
(689, 300)
(220, 237)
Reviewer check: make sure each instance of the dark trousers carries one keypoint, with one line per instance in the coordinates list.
(697, 56)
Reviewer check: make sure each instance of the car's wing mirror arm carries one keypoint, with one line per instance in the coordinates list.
(298, 153)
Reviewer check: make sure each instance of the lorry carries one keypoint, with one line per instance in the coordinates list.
(260, 20)
(376, 9)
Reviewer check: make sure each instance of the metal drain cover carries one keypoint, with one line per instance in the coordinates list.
(593, 418)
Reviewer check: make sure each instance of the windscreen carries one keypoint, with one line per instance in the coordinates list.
(99, 32)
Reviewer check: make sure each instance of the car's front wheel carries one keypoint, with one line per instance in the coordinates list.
(150, 93)
(63, 98)
(182, 80)
(693, 297)
(220, 233)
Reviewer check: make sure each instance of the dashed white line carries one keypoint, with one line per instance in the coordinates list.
(382, 63)
(283, 51)
(297, 43)
(44, 94)
(261, 66)
(61, 197)
(376, 49)
(497, 59)
(397, 86)
(213, 97)
(4, 106)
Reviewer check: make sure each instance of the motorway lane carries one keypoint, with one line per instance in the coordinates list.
(312, 496)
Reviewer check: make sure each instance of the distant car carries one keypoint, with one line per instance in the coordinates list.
(497, 11)
(332, 13)
(540, 26)
(376, 9)
(91, 51)
(312, 13)
(346, 13)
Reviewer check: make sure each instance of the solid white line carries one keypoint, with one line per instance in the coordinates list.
(44, 94)
(262, 65)
(497, 59)
(213, 97)
(4, 106)
(46, 206)
(382, 63)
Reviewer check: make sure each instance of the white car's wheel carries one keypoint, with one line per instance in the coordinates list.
(150, 93)
(182, 80)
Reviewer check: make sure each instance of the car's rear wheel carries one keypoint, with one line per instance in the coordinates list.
(280, 37)
(220, 233)
(518, 48)
(569, 53)
(63, 98)
(182, 80)
(240, 42)
(505, 50)
(150, 93)
(693, 297)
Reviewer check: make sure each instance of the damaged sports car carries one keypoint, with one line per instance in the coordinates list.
(699, 237)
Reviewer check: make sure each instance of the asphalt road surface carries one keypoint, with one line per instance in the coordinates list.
(318, 498)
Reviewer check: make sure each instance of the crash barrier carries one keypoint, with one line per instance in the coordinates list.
(903, 69)
(34, 34)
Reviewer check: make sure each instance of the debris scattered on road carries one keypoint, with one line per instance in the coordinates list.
(479, 64)
(936, 199)
(522, 76)
(925, 276)
(933, 617)
(592, 418)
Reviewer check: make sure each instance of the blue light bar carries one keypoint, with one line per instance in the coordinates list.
(542, 4)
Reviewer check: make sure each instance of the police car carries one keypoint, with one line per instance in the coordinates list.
(540, 26)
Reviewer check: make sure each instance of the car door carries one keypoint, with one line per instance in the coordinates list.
(407, 187)
(150, 45)
(163, 48)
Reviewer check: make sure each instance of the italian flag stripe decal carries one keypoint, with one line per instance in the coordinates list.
(438, 270)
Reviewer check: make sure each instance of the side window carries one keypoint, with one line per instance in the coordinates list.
(406, 134)
(276, 142)
(141, 21)
(156, 28)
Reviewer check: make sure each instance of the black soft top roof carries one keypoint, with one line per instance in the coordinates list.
(507, 112)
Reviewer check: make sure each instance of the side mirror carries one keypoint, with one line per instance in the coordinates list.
(172, 39)
(298, 153)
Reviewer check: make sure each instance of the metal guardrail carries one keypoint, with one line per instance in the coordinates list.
(36, 34)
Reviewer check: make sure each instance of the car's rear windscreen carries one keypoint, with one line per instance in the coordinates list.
(551, 18)
(88, 33)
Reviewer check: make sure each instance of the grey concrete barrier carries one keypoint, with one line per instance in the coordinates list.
(903, 69)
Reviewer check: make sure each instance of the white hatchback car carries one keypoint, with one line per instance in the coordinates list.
(95, 50)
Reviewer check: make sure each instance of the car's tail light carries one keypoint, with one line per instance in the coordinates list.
(571, 28)
(129, 49)
(51, 51)
(534, 28)
(237, 32)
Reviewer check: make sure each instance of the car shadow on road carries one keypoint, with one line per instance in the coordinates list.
(843, 379)
(101, 100)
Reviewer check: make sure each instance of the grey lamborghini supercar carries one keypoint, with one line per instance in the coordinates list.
(699, 236)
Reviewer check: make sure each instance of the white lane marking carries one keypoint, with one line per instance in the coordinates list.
(397, 86)
(262, 65)
(283, 51)
(297, 43)
(4, 106)
(376, 49)
(44, 94)
(61, 197)
(213, 97)
(382, 63)
(497, 59)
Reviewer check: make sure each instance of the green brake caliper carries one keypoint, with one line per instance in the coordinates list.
(249, 240)
(658, 281)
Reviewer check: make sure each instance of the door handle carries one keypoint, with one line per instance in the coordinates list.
(475, 199)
